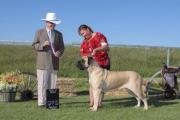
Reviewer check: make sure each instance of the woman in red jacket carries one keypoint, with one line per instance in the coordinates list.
(94, 44)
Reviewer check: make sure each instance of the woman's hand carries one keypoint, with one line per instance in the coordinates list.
(94, 52)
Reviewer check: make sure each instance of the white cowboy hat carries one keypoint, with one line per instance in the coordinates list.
(51, 17)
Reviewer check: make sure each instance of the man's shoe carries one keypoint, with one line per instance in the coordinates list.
(42, 106)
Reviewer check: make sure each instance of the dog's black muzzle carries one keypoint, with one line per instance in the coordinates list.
(80, 64)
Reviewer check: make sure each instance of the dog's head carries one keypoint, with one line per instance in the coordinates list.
(84, 63)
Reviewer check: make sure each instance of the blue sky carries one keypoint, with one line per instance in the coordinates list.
(131, 22)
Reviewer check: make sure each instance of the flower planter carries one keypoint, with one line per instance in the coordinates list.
(7, 96)
(26, 95)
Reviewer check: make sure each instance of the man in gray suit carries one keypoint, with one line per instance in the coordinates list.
(49, 46)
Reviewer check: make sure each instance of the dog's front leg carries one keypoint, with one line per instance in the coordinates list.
(96, 97)
(101, 96)
(91, 99)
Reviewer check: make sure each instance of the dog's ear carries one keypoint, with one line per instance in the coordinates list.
(90, 60)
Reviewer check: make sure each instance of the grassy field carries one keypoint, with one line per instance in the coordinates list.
(146, 61)
(76, 108)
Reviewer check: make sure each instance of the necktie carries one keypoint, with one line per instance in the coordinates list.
(51, 38)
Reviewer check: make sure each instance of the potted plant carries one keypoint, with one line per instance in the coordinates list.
(9, 82)
(28, 87)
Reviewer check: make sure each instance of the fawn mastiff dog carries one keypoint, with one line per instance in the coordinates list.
(102, 80)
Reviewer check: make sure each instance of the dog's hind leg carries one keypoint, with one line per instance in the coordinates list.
(138, 102)
(137, 98)
(145, 103)
(140, 96)
(144, 100)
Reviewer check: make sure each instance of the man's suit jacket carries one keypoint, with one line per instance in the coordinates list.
(45, 57)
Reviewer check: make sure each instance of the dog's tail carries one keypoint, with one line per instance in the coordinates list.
(144, 88)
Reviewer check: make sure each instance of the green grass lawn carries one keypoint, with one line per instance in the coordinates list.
(76, 108)
(146, 61)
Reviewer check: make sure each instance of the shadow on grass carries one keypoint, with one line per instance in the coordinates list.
(73, 104)
(19, 100)
(120, 102)
(156, 101)
(110, 101)
(80, 93)
(114, 102)
(159, 100)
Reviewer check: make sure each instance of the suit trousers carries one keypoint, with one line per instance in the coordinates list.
(46, 80)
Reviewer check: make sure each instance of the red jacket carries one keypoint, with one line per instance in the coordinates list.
(87, 47)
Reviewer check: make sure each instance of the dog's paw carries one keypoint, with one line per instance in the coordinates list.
(145, 108)
(136, 106)
(92, 109)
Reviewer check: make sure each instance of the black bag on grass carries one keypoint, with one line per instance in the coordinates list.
(52, 98)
